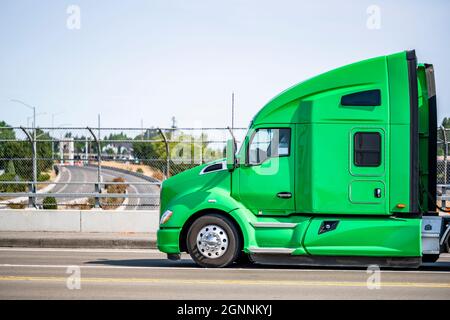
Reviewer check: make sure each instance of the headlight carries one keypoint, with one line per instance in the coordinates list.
(165, 216)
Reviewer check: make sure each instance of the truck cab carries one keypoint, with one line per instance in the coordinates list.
(337, 170)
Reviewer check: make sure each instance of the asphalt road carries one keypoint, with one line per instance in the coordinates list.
(146, 274)
(89, 174)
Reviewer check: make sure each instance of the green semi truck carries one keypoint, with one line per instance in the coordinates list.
(337, 170)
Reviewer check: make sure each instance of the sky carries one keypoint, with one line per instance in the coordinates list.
(151, 60)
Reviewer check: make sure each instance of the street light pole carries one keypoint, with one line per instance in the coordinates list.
(35, 153)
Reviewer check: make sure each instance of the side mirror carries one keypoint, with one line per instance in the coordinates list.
(231, 154)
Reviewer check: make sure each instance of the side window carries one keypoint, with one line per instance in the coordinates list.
(363, 98)
(269, 143)
(367, 149)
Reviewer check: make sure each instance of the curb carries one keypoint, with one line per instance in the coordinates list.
(79, 243)
(132, 173)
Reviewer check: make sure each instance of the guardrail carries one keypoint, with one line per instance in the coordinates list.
(32, 197)
(148, 154)
(100, 191)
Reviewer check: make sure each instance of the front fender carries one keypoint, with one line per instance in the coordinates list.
(187, 205)
(184, 206)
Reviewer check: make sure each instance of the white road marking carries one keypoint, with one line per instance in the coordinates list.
(82, 250)
(136, 191)
(50, 187)
(52, 266)
(153, 251)
(68, 180)
(113, 175)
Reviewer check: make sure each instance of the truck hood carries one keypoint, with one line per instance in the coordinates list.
(202, 178)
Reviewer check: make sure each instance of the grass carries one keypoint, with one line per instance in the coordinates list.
(17, 205)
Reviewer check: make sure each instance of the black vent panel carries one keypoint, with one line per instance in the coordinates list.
(213, 167)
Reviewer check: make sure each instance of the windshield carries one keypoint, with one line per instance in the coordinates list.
(240, 140)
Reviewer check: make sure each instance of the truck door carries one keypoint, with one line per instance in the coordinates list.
(367, 189)
(266, 179)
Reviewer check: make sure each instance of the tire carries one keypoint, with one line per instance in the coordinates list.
(203, 239)
(243, 259)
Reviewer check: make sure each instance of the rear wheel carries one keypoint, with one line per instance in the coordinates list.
(213, 241)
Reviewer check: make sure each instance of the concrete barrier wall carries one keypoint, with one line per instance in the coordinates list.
(42, 220)
(79, 220)
(119, 221)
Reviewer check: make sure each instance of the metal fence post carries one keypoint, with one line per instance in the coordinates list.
(98, 188)
(445, 149)
(201, 147)
(31, 199)
(444, 135)
(167, 152)
(86, 151)
(34, 152)
(32, 187)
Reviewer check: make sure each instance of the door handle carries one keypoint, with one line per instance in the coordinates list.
(284, 195)
(377, 193)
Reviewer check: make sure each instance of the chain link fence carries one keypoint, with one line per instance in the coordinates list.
(111, 168)
(442, 169)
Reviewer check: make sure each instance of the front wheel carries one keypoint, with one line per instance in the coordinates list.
(213, 241)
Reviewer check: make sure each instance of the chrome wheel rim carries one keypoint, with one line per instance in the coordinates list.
(212, 241)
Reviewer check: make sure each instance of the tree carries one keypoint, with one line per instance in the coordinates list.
(44, 151)
(10, 168)
(145, 150)
(446, 124)
(6, 133)
(19, 152)
(186, 150)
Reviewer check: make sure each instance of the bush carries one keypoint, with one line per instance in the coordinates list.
(157, 174)
(88, 205)
(10, 168)
(139, 170)
(43, 177)
(117, 188)
(111, 203)
(11, 187)
(20, 205)
(49, 203)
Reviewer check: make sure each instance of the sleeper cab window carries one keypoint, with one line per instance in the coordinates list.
(368, 98)
(367, 149)
(269, 143)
